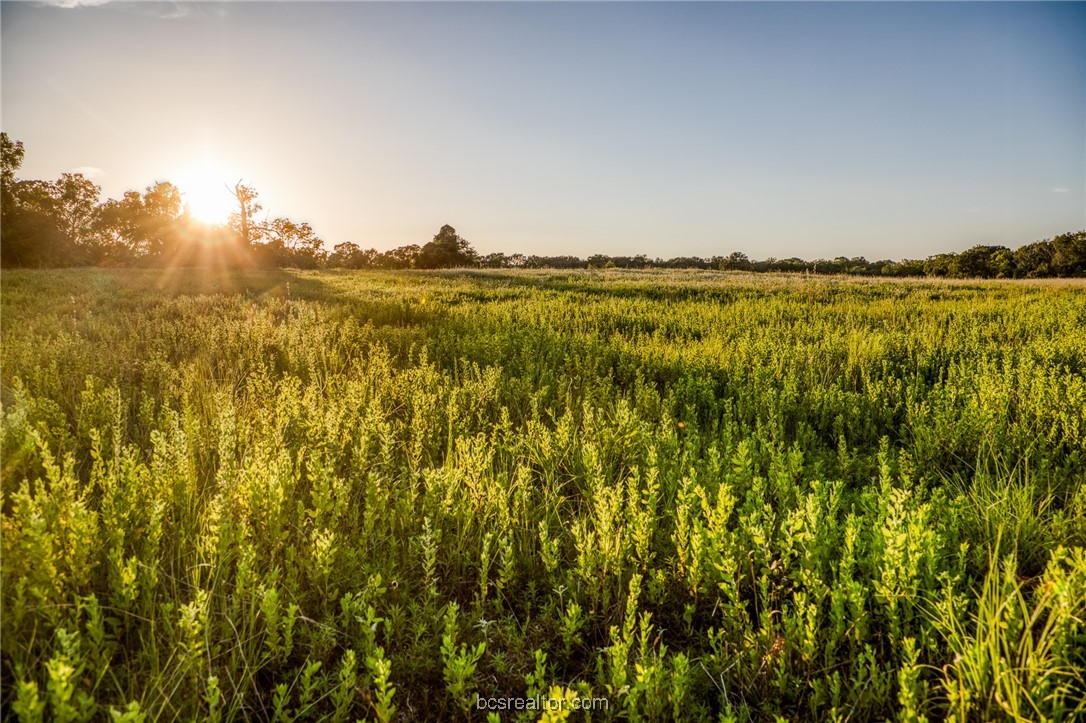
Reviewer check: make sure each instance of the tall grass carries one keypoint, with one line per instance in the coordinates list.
(334, 496)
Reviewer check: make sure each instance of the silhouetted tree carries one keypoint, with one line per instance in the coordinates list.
(346, 255)
(12, 252)
(241, 220)
(494, 261)
(279, 242)
(735, 261)
(289, 244)
(555, 262)
(690, 262)
(44, 223)
(11, 158)
(298, 237)
(402, 257)
(32, 235)
(76, 207)
(147, 225)
(447, 250)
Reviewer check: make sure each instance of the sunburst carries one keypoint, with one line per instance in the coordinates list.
(206, 194)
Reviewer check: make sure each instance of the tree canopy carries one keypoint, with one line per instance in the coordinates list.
(447, 250)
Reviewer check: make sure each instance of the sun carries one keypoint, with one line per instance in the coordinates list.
(205, 192)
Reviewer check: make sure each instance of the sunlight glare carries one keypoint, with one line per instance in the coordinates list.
(206, 194)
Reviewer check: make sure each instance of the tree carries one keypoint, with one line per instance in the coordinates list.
(44, 223)
(77, 207)
(280, 242)
(11, 157)
(447, 250)
(735, 261)
(939, 265)
(1069, 254)
(494, 261)
(905, 267)
(1033, 260)
(290, 244)
(294, 236)
(241, 220)
(145, 225)
(351, 256)
(983, 262)
(344, 254)
(402, 257)
(31, 234)
(1001, 263)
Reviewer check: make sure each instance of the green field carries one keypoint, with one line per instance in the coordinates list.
(339, 495)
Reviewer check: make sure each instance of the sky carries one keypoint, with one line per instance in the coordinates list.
(778, 129)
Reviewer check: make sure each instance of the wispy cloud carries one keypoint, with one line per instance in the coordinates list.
(73, 3)
(88, 171)
(169, 10)
(1060, 190)
(160, 10)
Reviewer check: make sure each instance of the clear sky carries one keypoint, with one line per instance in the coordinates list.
(887, 130)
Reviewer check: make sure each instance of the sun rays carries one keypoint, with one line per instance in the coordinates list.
(206, 194)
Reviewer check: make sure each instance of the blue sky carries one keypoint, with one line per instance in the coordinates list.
(887, 130)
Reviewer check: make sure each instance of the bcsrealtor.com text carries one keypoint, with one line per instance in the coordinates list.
(540, 702)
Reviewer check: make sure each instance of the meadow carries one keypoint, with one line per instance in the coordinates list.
(336, 495)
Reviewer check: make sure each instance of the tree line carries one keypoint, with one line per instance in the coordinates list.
(66, 223)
